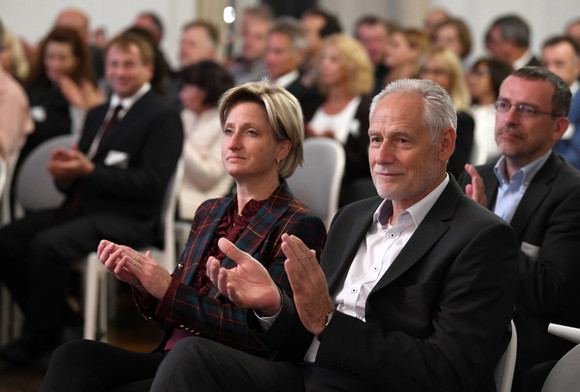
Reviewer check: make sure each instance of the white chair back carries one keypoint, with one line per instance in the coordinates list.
(503, 374)
(565, 376)
(317, 183)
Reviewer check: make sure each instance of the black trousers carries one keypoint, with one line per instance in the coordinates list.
(198, 364)
(89, 366)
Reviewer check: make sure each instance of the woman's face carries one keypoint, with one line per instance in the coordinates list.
(398, 51)
(448, 36)
(192, 98)
(433, 70)
(479, 81)
(332, 72)
(249, 149)
(59, 60)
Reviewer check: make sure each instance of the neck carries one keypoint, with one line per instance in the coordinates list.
(339, 93)
(486, 99)
(401, 72)
(257, 190)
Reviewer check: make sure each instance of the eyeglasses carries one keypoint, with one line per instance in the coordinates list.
(522, 109)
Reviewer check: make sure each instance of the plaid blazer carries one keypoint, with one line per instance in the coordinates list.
(213, 315)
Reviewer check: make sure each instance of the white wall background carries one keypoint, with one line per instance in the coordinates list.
(33, 18)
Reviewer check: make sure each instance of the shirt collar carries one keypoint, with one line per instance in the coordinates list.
(286, 79)
(418, 211)
(129, 101)
(527, 172)
(574, 87)
(523, 60)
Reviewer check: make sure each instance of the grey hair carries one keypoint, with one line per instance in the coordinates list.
(291, 28)
(514, 27)
(439, 112)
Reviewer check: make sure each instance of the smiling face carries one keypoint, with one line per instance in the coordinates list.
(125, 70)
(59, 60)
(249, 149)
(405, 163)
(524, 139)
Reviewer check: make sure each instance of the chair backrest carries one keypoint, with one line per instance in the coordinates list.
(168, 217)
(565, 376)
(35, 188)
(503, 374)
(565, 332)
(3, 174)
(317, 183)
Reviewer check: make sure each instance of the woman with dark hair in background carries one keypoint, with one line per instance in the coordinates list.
(483, 81)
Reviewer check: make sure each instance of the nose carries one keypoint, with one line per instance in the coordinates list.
(234, 140)
(384, 154)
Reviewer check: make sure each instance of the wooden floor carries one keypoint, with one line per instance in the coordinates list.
(128, 330)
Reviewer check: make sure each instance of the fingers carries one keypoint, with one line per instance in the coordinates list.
(102, 245)
(212, 269)
(232, 251)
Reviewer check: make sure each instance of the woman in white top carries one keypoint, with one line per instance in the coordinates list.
(345, 77)
(204, 176)
(483, 81)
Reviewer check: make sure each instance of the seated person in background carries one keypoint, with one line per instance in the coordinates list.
(415, 298)
(15, 121)
(483, 81)
(285, 53)
(442, 65)
(345, 78)
(204, 175)
(262, 146)
(115, 181)
(12, 57)
(538, 193)
(454, 34)
(62, 58)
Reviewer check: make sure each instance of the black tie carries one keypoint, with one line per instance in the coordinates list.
(111, 122)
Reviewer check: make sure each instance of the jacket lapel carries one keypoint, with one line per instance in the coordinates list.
(427, 234)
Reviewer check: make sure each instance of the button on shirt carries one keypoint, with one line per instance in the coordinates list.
(511, 191)
(376, 253)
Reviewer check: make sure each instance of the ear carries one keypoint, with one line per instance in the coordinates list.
(283, 149)
(150, 70)
(561, 127)
(446, 143)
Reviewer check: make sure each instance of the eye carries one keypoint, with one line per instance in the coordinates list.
(252, 132)
(228, 131)
(527, 110)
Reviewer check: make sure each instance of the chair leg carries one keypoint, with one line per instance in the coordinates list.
(91, 297)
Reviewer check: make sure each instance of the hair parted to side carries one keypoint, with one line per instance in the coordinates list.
(439, 112)
(284, 115)
(124, 40)
(562, 98)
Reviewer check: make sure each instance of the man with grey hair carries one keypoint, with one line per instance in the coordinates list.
(538, 193)
(508, 38)
(409, 295)
(285, 52)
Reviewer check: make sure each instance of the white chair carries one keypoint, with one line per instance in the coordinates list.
(503, 374)
(96, 275)
(569, 333)
(317, 183)
(565, 376)
(35, 190)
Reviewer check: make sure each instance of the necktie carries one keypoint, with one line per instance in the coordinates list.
(111, 122)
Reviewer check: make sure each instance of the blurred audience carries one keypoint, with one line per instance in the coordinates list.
(373, 34)
(204, 176)
(13, 58)
(114, 179)
(251, 66)
(441, 65)
(345, 78)
(77, 20)
(434, 17)
(403, 52)
(285, 53)
(454, 34)
(561, 55)
(199, 41)
(15, 120)
(483, 81)
(573, 30)
(508, 38)
(317, 24)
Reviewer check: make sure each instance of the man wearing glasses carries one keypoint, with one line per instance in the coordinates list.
(538, 193)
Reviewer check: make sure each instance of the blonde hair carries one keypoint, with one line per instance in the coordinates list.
(284, 115)
(20, 64)
(448, 60)
(355, 59)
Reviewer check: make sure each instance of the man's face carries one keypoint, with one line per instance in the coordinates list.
(497, 45)
(374, 38)
(125, 71)
(563, 61)
(281, 58)
(312, 24)
(405, 164)
(195, 46)
(255, 40)
(524, 139)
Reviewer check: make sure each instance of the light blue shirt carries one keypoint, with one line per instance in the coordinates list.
(511, 190)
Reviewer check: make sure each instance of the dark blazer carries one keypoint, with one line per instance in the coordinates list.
(437, 319)
(547, 221)
(127, 192)
(213, 315)
(463, 144)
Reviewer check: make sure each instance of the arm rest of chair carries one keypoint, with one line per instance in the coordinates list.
(569, 333)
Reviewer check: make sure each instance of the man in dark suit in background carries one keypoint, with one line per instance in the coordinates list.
(538, 193)
(115, 181)
(508, 38)
(415, 289)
